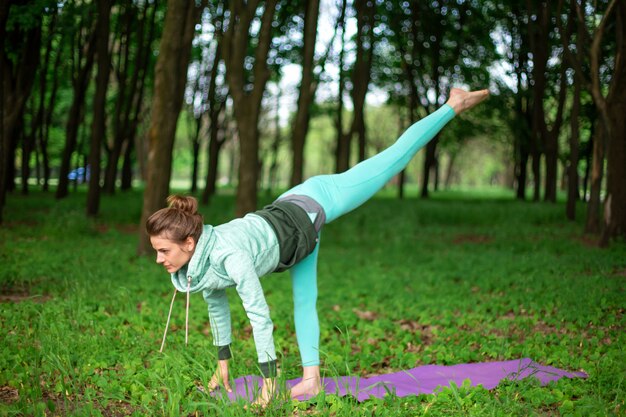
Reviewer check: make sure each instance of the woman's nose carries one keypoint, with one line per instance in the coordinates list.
(159, 258)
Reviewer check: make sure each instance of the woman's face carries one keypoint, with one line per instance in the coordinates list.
(172, 255)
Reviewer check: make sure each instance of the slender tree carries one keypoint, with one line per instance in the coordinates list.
(612, 107)
(4, 14)
(247, 92)
(216, 101)
(605, 57)
(84, 40)
(19, 66)
(195, 126)
(144, 65)
(573, 194)
(98, 127)
(545, 137)
(361, 73)
(121, 63)
(516, 51)
(342, 150)
(307, 88)
(170, 80)
(29, 141)
(44, 132)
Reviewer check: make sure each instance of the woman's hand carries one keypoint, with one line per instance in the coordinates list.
(220, 377)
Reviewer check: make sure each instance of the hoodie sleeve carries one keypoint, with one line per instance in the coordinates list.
(240, 269)
(219, 317)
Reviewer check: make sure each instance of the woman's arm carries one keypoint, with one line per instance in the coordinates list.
(219, 317)
(240, 269)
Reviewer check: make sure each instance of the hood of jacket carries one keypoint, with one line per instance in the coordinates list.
(198, 265)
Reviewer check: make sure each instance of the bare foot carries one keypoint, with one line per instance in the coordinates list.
(268, 392)
(311, 383)
(461, 100)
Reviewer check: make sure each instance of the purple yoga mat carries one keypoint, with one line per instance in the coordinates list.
(421, 380)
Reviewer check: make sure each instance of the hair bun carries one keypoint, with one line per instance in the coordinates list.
(184, 203)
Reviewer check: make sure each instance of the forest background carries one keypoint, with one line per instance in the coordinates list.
(251, 95)
(108, 106)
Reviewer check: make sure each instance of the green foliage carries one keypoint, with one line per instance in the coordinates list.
(457, 278)
(27, 16)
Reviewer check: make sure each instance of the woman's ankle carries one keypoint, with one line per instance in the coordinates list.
(311, 372)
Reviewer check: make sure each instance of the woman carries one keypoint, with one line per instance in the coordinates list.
(284, 235)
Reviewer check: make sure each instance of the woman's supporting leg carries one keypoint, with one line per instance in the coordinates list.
(304, 283)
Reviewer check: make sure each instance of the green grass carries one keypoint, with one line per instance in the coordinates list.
(462, 277)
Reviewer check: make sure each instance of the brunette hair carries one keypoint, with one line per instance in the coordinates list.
(178, 221)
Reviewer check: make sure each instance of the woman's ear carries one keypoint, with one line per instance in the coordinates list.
(189, 244)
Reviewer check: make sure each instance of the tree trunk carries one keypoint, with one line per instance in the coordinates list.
(195, 150)
(573, 194)
(552, 141)
(18, 76)
(429, 164)
(246, 96)
(273, 168)
(247, 125)
(98, 130)
(136, 104)
(430, 160)
(28, 146)
(413, 104)
(401, 128)
(74, 116)
(122, 107)
(38, 120)
(47, 122)
(615, 203)
(572, 171)
(215, 145)
(362, 69)
(520, 175)
(597, 168)
(522, 139)
(4, 14)
(342, 151)
(215, 142)
(127, 166)
(170, 79)
(307, 88)
(450, 169)
(538, 37)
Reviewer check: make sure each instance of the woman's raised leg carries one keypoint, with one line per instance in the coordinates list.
(341, 193)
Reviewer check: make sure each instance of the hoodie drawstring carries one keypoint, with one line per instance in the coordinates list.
(169, 315)
(187, 310)
(168, 321)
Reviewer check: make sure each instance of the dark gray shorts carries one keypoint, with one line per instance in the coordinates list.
(310, 206)
(296, 235)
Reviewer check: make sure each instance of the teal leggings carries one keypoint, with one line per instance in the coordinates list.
(339, 194)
